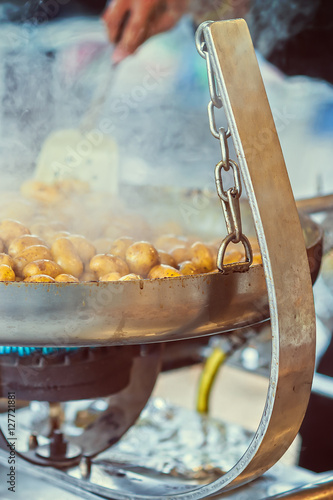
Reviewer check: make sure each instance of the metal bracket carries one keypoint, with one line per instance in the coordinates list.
(250, 120)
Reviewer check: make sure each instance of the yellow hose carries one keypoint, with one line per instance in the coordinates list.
(209, 372)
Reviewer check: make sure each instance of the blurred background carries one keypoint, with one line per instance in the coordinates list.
(55, 54)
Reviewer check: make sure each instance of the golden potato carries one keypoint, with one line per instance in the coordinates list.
(18, 209)
(66, 256)
(40, 191)
(187, 267)
(232, 256)
(181, 254)
(42, 266)
(114, 232)
(163, 271)
(6, 273)
(102, 264)
(254, 244)
(120, 246)
(169, 241)
(141, 257)
(12, 229)
(110, 277)
(192, 239)
(39, 278)
(57, 225)
(27, 240)
(202, 257)
(69, 186)
(42, 229)
(89, 276)
(66, 278)
(167, 259)
(130, 277)
(170, 227)
(52, 236)
(7, 260)
(102, 245)
(257, 259)
(130, 224)
(214, 250)
(2, 246)
(35, 252)
(84, 248)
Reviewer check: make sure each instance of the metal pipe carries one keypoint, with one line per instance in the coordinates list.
(323, 385)
(323, 490)
(316, 205)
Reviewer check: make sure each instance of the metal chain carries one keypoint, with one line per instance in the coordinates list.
(229, 198)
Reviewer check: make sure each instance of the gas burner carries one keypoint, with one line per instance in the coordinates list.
(66, 374)
(126, 374)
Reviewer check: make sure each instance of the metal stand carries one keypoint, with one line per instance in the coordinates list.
(241, 91)
(264, 174)
(281, 243)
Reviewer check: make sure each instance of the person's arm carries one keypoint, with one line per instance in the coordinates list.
(131, 22)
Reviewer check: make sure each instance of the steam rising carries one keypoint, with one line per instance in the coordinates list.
(156, 108)
(273, 21)
(41, 85)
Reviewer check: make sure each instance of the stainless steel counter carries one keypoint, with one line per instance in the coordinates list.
(34, 483)
(158, 449)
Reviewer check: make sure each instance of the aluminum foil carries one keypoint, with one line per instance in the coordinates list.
(179, 442)
(167, 443)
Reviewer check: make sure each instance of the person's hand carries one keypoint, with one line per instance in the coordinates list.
(131, 22)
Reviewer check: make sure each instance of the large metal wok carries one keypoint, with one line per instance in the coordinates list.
(136, 312)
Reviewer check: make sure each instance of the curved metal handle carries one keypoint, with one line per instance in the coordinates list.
(282, 248)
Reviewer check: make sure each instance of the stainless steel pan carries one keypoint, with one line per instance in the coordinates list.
(145, 311)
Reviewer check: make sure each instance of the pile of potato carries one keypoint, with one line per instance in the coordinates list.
(39, 243)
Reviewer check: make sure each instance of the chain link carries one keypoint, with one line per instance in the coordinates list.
(229, 198)
(236, 191)
(224, 148)
(200, 39)
(215, 98)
